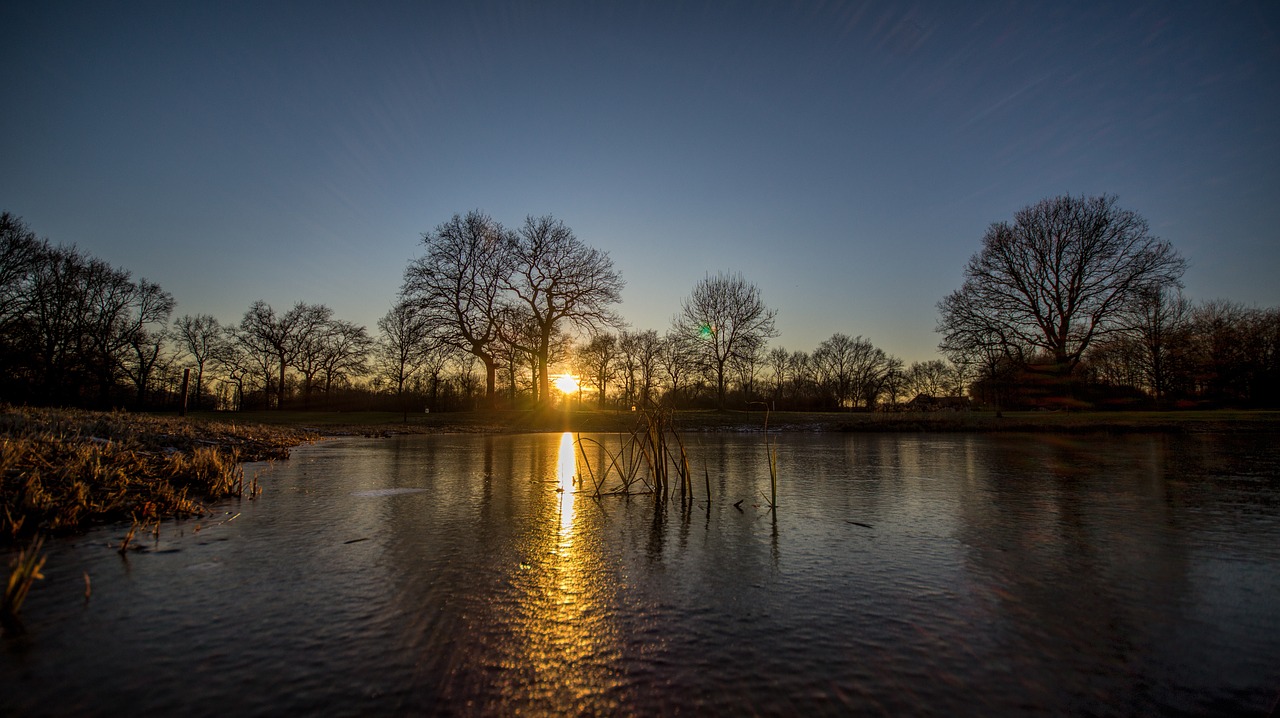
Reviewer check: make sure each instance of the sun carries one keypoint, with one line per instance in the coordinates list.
(566, 383)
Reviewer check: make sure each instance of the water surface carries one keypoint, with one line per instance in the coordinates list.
(900, 574)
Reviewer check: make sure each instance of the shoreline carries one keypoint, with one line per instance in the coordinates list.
(62, 470)
(699, 421)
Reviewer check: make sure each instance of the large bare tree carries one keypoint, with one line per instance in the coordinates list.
(555, 279)
(456, 286)
(1061, 274)
(728, 317)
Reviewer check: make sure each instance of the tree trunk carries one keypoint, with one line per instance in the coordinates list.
(720, 385)
(544, 379)
(199, 380)
(490, 381)
(280, 388)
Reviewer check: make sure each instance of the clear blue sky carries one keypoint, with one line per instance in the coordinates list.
(845, 157)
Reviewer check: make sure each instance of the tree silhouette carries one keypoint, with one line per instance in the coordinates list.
(203, 337)
(598, 361)
(1062, 274)
(405, 342)
(457, 285)
(555, 278)
(726, 316)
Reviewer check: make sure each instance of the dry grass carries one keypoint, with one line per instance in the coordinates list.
(24, 570)
(61, 470)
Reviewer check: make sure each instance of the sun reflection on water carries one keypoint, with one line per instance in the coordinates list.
(562, 650)
(566, 469)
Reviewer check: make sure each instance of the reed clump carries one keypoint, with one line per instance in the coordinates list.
(61, 470)
(644, 461)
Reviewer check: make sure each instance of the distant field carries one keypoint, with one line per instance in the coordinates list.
(703, 420)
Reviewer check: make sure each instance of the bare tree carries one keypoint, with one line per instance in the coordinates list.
(934, 377)
(629, 349)
(779, 371)
(20, 254)
(834, 359)
(144, 332)
(727, 316)
(598, 361)
(555, 278)
(892, 383)
(852, 369)
(676, 360)
(345, 353)
(402, 348)
(203, 338)
(457, 285)
(645, 352)
(109, 294)
(75, 312)
(1231, 344)
(804, 375)
(1161, 326)
(745, 365)
(434, 361)
(1059, 276)
(284, 338)
(237, 365)
(512, 363)
(146, 347)
(312, 325)
(465, 376)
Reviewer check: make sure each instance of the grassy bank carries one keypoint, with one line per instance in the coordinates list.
(61, 470)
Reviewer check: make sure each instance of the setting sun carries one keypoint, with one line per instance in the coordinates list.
(566, 383)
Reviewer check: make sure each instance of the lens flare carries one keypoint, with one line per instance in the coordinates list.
(566, 383)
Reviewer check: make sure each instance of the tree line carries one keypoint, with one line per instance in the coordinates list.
(1071, 304)
(1074, 303)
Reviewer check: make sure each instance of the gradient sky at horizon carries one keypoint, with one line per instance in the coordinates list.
(845, 157)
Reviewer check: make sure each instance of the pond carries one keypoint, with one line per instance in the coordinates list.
(899, 574)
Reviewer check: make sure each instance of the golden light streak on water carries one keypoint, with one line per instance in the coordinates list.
(567, 468)
(561, 650)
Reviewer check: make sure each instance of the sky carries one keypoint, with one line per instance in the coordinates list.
(845, 157)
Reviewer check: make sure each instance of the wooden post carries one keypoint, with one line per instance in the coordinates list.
(186, 377)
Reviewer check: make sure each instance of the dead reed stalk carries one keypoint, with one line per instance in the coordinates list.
(24, 570)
